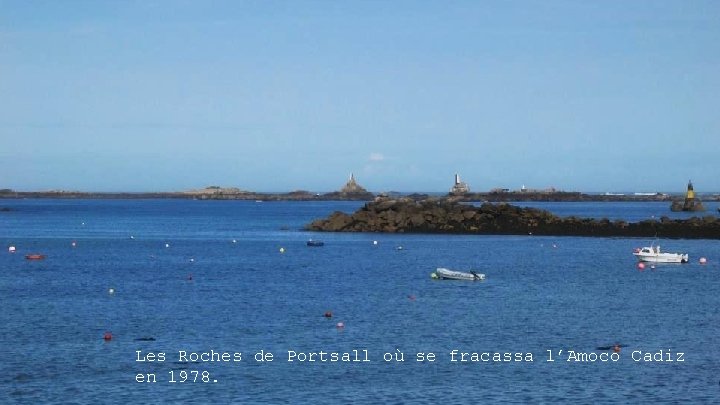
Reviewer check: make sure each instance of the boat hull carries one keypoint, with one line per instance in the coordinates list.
(446, 274)
(662, 257)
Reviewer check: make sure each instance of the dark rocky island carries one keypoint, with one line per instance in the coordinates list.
(451, 217)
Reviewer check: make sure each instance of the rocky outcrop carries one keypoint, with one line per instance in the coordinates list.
(693, 205)
(448, 216)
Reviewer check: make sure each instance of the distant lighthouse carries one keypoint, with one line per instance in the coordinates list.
(690, 204)
(459, 187)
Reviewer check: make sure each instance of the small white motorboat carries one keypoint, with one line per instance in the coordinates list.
(442, 273)
(653, 254)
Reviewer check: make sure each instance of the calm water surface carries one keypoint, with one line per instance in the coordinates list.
(222, 284)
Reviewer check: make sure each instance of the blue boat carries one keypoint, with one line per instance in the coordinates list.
(315, 243)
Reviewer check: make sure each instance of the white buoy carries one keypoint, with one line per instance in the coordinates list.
(111, 291)
(73, 244)
(234, 241)
(374, 242)
(703, 260)
(167, 245)
(192, 260)
(132, 237)
(282, 250)
(11, 249)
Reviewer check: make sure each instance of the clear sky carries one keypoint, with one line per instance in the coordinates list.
(284, 95)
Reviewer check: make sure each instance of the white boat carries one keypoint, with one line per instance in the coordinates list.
(653, 254)
(446, 274)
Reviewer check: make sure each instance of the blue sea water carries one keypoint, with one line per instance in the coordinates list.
(197, 276)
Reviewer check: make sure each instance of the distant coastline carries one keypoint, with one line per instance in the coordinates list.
(218, 193)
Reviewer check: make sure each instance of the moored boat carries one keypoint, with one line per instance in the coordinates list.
(315, 243)
(653, 254)
(34, 257)
(442, 273)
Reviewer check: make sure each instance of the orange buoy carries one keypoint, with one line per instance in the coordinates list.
(328, 314)
(641, 266)
(107, 336)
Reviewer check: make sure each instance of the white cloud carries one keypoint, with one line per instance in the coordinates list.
(376, 157)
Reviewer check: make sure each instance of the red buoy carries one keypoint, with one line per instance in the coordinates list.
(641, 266)
(107, 336)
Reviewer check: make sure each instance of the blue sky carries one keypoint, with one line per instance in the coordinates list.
(279, 96)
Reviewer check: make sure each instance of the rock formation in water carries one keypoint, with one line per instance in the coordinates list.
(449, 216)
(351, 191)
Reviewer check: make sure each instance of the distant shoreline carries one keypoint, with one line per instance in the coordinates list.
(235, 194)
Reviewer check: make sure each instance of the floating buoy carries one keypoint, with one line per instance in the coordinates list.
(652, 267)
(107, 336)
(167, 245)
(374, 242)
(554, 245)
(11, 249)
(132, 237)
(189, 277)
(340, 325)
(328, 314)
(192, 260)
(641, 266)
(399, 248)
(411, 297)
(73, 244)
(703, 260)
(282, 250)
(234, 241)
(111, 291)
(616, 348)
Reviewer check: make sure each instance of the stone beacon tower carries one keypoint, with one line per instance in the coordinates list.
(352, 187)
(351, 191)
(690, 204)
(459, 187)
